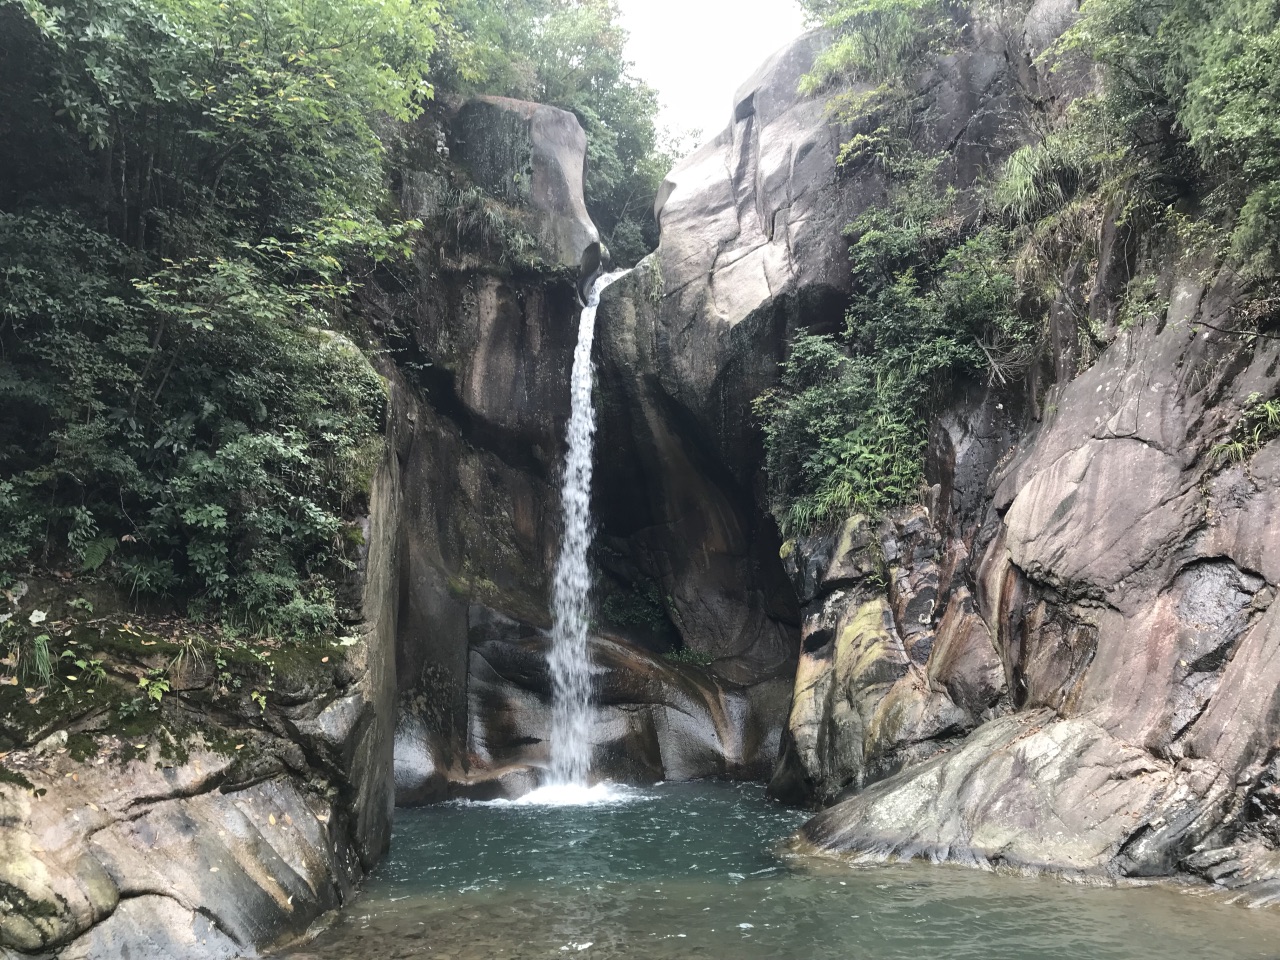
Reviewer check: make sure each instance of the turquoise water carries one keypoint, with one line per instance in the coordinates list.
(700, 871)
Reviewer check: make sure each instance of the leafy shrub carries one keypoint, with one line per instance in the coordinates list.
(1195, 89)
(878, 41)
(934, 300)
(693, 658)
(189, 189)
(640, 606)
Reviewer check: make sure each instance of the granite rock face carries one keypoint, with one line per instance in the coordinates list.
(1122, 583)
(752, 250)
(654, 719)
(750, 241)
(479, 421)
(527, 156)
(1065, 658)
(895, 664)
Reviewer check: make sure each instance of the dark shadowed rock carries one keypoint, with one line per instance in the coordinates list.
(653, 719)
(532, 155)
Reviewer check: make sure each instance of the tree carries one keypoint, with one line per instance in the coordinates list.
(190, 185)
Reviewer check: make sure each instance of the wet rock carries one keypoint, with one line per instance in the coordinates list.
(653, 720)
(236, 869)
(156, 927)
(500, 783)
(1023, 790)
(963, 661)
(419, 775)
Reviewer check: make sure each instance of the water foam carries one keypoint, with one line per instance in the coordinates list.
(576, 795)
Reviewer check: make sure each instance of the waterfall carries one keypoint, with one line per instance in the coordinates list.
(569, 658)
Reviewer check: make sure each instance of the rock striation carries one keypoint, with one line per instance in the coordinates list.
(652, 719)
(1065, 658)
(1116, 600)
(482, 396)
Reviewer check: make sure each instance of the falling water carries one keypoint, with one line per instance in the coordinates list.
(569, 659)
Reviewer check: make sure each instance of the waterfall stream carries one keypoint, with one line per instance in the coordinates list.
(569, 659)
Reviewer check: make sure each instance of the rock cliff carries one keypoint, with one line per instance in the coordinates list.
(482, 334)
(1095, 690)
(1065, 658)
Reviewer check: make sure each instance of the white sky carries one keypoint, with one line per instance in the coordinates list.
(697, 52)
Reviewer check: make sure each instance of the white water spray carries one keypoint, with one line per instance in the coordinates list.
(569, 658)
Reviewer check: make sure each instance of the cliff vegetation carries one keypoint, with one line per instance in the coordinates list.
(1160, 124)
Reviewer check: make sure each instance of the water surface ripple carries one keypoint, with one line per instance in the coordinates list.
(695, 871)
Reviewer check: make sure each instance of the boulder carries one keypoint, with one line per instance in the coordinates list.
(533, 156)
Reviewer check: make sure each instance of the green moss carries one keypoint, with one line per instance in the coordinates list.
(82, 746)
(687, 657)
(22, 721)
(14, 778)
(24, 905)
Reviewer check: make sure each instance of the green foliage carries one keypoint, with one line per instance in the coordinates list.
(28, 655)
(188, 190)
(1038, 180)
(154, 685)
(1258, 425)
(935, 299)
(641, 606)
(1180, 147)
(474, 219)
(881, 42)
(1195, 87)
(687, 657)
(570, 54)
(91, 670)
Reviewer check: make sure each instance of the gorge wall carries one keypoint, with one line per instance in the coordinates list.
(1065, 657)
(482, 334)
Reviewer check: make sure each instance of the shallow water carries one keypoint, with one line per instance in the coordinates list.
(696, 871)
